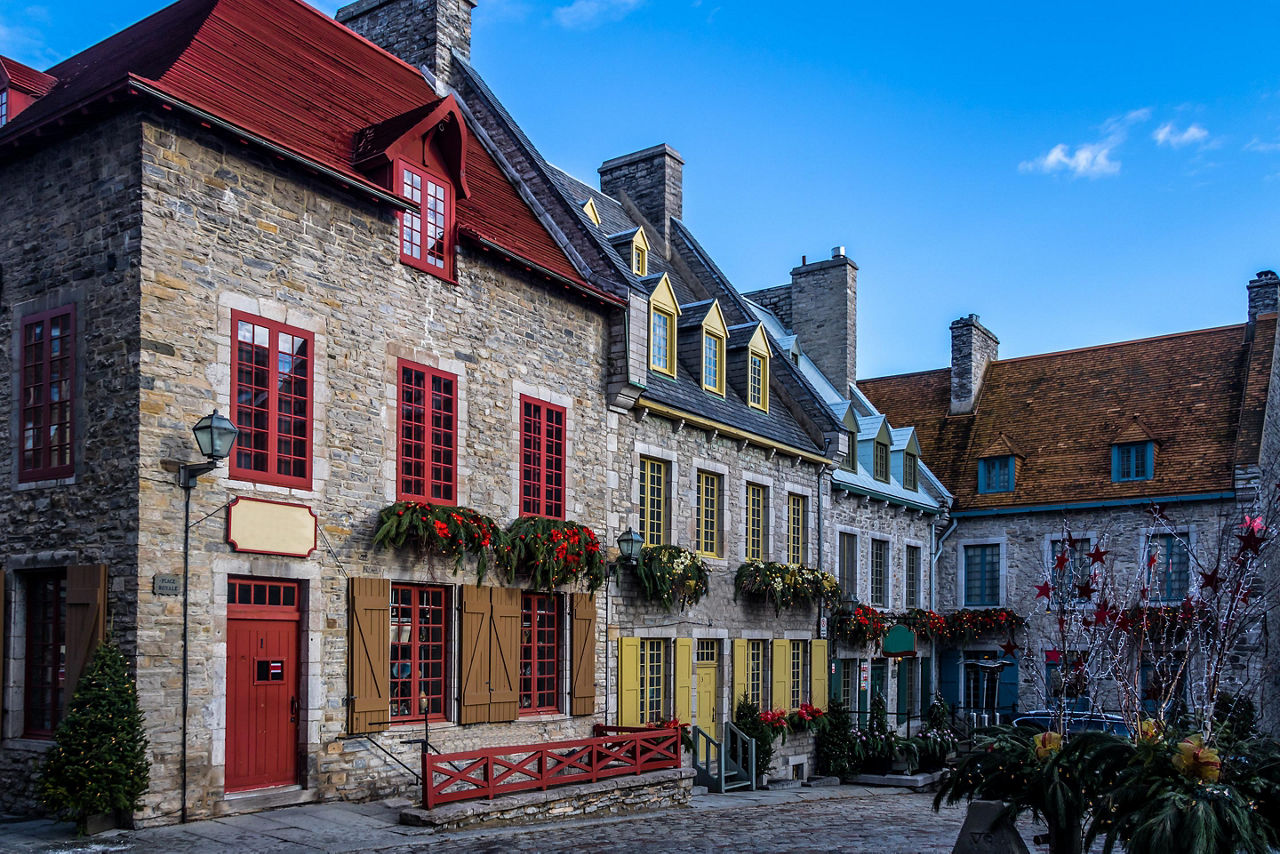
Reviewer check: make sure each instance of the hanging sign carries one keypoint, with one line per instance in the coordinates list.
(271, 527)
(900, 642)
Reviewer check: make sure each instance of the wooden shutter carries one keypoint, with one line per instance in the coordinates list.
(504, 655)
(628, 681)
(682, 702)
(474, 642)
(582, 663)
(740, 654)
(369, 655)
(86, 619)
(926, 684)
(903, 675)
(780, 695)
(819, 674)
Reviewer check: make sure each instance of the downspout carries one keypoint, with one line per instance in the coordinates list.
(933, 564)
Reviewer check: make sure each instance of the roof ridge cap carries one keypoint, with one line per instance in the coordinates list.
(1148, 340)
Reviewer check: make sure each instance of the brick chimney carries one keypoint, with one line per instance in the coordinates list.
(973, 347)
(421, 32)
(824, 313)
(653, 180)
(1264, 294)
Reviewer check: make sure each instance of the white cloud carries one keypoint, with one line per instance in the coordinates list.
(1169, 135)
(1090, 159)
(26, 43)
(584, 14)
(1256, 144)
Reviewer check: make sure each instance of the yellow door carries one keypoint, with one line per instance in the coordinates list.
(706, 687)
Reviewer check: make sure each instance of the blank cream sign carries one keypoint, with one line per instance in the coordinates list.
(271, 527)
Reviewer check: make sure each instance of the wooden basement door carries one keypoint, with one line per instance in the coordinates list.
(262, 683)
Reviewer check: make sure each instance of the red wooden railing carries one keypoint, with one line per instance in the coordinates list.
(496, 771)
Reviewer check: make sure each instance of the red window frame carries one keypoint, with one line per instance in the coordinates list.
(425, 237)
(46, 659)
(428, 434)
(47, 391)
(419, 653)
(539, 653)
(541, 458)
(263, 402)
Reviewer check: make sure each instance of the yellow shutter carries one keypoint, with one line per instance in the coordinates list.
(740, 654)
(819, 674)
(628, 681)
(369, 654)
(780, 696)
(683, 701)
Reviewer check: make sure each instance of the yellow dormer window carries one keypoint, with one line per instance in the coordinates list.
(714, 336)
(663, 311)
(758, 371)
(640, 253)
(589, 208)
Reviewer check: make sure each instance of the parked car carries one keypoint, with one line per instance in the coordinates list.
(1043, 719)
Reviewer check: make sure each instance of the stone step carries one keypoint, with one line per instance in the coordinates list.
(822, 781)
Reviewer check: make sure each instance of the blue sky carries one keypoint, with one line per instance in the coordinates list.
(1074, 174)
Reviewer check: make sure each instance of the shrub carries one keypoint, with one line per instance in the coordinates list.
(748, 719)
(838, 747)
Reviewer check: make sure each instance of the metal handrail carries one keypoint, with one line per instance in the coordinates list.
(706, 772)
(738, 747)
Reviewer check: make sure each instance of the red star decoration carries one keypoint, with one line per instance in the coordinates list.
(1098, 555)
(1071, 541)
(1009, 648)
(1052, 656)
(1157, 513)
(1151, 559)
(1253, 523)
(1104, 614)
(1044, 591)
(1210, 580)
(1123, 623)
(1062, 560)
(1250, 541)
(1087, 589)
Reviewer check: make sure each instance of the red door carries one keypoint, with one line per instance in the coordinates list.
(262, 684)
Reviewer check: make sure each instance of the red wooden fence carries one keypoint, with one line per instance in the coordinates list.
(500, 770)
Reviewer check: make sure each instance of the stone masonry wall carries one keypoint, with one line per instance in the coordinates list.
(824, 311)
(973, 347)
(653, 180)
(227, 229)
(71, 236)
(421, 32)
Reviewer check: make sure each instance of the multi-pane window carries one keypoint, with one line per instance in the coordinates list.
(639, 260)
(755, 672)
(424, 231)
(1169, 573)
(653, 501)
(797, 673)
(756, 503)
(849, 565)
(707, 651)
(660, 352)
(271, 401)
(982, 575)
(1132, 461)
(46, 653)
(708, 514)
(4, 106)
(541, 459)
(880, 573)
(428, 434)
(880, 461)
(1067, 580)
(758, 382)
(539, 653)
(713, 362)
(653, 669)
(995, 474)
(913, 576)
(909, 471)
(795, 528)
(418, 652)
(47, 390)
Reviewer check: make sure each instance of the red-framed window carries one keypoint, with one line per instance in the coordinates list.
(418, 656)
(539, 653)
(45, 666)
(246, 597)
(271, 375)
(426, 234)
(47, 394)
(428, 435)
(541, 458)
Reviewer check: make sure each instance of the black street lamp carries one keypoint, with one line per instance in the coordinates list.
(215, 434)
(629, 545)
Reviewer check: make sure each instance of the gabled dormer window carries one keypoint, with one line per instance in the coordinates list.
(880, 462)
(640, 253)
(995, 474)
(426, 230)
(714, 337)
(589, 208)
(1133, 461)
(758, 371)
(663, 311)
(909, 474)
(4, 107)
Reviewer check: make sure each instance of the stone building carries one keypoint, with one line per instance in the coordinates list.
(1150, 450)
(242, 206)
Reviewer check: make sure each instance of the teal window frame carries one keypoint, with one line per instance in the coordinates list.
(996, 474)
(1133, 461)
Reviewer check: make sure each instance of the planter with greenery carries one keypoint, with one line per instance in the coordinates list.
(967, 624)
(838, 747)
(438, 529)
(937, 739)
(98, 763)
(671, 575)
(786, 585)
(860, 626)
(807, 718)
(551, 553)
(882, 746)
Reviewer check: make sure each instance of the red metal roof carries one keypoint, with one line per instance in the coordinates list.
(25, 77)
(282, 71)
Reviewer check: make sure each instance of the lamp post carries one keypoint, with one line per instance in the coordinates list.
(215, 434)
(629, 545)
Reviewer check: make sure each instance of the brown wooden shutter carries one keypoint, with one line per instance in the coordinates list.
(369, 655)
(582, 673)
(86, 619)
(474, 642)
(504, 655)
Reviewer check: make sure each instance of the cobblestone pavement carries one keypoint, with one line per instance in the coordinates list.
(841, 818)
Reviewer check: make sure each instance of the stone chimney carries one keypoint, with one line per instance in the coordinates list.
(973, 347)
(1264, 294)
(421, 32)
(653, 180)
(824, 313)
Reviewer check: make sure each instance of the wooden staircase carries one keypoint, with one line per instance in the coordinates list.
(724, 767)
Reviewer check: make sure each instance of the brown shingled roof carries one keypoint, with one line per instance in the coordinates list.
(1199, 395)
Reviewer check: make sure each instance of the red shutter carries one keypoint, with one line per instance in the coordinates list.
(369, 655)
(86, 620)
(474, 642)
(504, 655)
(582, 675)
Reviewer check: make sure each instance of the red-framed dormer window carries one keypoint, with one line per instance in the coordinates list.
(428, 435)
(47, 391)
(426, 234)
(541, 458)
(271, 378)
